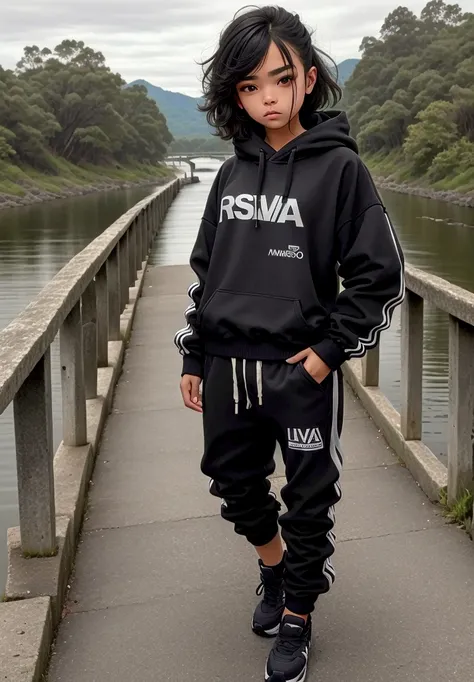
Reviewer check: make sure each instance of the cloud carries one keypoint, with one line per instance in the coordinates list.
(162, 41)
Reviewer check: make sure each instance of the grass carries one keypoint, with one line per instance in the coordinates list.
(460, 511)
(17, 181)
(394, 167)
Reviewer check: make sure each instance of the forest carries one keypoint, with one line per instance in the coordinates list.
(66, 103)
(410, 99)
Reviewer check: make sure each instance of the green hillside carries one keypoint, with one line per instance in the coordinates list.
(411, 98)
(180, 111)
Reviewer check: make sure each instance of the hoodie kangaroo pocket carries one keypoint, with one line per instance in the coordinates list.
(255, 317)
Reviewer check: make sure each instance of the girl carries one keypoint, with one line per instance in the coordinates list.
(267, 329)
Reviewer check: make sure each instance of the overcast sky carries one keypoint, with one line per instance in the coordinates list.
(161, 40)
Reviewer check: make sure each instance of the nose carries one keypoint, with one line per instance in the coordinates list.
(269, 98)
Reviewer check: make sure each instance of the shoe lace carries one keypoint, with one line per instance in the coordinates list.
(287, 646)
(271, 590)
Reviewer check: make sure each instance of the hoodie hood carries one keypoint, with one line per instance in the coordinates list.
(326, 130)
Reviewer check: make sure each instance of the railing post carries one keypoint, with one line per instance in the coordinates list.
(132, 258)
(370, 367)
(89, 331)
(412, 366)
(113, 284)
(461, 408)
(34, 456)
(162, 209)
(124, 284)
(102, 317)
(158, 221)
(72, 379)
(143, 227)
(138, 238)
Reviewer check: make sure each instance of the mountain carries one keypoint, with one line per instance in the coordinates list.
(345, 69)
(182, 115)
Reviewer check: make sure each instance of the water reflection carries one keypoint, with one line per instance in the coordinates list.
(439, 238)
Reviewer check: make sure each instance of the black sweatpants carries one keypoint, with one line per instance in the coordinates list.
(248, 407)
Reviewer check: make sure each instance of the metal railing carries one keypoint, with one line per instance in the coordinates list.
(459, 304)
(83, 303)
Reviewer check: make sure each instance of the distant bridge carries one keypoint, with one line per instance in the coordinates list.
(190, 158)
(185, 156)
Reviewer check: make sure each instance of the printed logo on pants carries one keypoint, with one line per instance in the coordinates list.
(305, 439)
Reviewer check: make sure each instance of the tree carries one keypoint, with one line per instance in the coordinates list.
(452, 161)
(463, 99)
(387, 130)
(437, 14)
(6, 139)
(415, 63)
(435, 131)
(68, 102)
(33, 58)
(74, 52)
(425, 88)
(401, 21)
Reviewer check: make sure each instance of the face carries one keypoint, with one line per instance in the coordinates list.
(267, 94)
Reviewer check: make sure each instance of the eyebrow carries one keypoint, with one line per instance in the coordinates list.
(275, 72)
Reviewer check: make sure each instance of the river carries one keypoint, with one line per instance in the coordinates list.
(36, 241)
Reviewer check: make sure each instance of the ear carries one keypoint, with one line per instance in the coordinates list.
(311, 78)
(239, 103)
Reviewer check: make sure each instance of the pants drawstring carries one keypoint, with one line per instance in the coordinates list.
(259, 382)
(244, 371)
(235, 384)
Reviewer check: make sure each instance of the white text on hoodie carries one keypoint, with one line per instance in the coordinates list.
(243, 207)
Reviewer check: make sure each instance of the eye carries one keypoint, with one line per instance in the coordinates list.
(245, 88)
(285, 80)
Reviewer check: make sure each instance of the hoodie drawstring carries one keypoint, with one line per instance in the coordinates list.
(261, 177)
(289, 175)
(235, 383)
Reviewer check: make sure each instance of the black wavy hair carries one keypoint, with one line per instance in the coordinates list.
(243, 46)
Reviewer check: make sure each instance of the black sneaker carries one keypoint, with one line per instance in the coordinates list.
(288, 659)
(267, 617)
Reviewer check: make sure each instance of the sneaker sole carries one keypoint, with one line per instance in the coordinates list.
(279, 677)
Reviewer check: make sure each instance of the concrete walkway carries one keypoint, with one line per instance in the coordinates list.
(164, 590)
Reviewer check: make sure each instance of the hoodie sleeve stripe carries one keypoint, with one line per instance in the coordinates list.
(189, 315)
(371, 340)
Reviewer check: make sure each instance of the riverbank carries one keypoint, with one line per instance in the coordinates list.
(451, 196)
(391, 173)
(22, 186)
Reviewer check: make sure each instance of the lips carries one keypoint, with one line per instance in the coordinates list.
(272, 113)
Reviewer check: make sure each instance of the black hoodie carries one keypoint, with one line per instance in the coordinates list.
(278, 229)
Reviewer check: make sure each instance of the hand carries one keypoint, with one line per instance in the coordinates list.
(190, 391)
(313, 364)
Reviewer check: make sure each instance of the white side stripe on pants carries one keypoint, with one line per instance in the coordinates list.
(336, 456)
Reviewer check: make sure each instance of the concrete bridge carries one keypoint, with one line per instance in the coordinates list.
(190, 158)
(162, 589)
